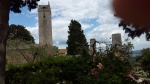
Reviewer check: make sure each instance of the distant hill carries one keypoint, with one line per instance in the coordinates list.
(137, 52)
(135, 55)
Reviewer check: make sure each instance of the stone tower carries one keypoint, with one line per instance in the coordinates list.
(116, 39)
(45, 25)
(92, 46)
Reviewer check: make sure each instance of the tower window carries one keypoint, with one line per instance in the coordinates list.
(43, 7)
(44, 15)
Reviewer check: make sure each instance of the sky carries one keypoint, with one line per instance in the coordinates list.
(95, 16)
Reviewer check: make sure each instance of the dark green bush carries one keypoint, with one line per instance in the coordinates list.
(50, 70)
(43, 72)
(72, 70)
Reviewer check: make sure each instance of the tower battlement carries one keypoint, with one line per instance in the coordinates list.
(45, 8)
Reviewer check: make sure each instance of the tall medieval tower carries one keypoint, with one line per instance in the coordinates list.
(45, 25)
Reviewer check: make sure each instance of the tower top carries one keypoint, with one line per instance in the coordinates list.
(45, 8)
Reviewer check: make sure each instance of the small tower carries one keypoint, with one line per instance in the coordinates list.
(45, 25)
(92, 46)
(116, 39)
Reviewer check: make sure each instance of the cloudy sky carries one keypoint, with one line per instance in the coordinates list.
(95, 16)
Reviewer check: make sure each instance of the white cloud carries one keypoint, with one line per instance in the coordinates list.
(100, 10)
(140, 43)
(104, 31)
(86, 26)
(34, 32)
(33, 11)
(59, 30)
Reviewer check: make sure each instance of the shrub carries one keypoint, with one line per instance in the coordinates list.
(45, 72)
(109, 67)
(50, 70)
(112, 65)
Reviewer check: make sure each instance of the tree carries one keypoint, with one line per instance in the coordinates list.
(19, 32)
(135, 31)
(76, 39)
(145, 59)
(5, 7)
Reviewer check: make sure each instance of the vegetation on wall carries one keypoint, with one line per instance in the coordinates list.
(20, 51)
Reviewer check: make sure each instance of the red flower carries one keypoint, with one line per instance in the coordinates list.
(94, 59)
(117, 54)
(130, 74)
(100, 65)
(101, 55)
(94, 72)
(106, 51)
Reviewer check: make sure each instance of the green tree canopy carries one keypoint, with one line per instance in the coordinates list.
(15, 5)
(76, 39)
(19, 32)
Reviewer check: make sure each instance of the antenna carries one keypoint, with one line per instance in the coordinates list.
(48, 3)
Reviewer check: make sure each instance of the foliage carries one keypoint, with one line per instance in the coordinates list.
(43, 72)
(50, 70)
(145, 59)
(76, 39)
(55, 49)
(112, 66)
(134, 31)
(19, 32)
(76, 69)
(109, 67)
(51, 50)
(16, 5)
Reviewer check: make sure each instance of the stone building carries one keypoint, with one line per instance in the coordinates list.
(92, 46)
(116, 39)
(45, 25)
(62, 51)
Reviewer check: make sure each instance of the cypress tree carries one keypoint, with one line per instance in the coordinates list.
(77, 43)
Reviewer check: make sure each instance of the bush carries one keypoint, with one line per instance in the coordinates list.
(145, 60)
(43, 72)
(112, 66)
(109, 67)
(50, 70)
